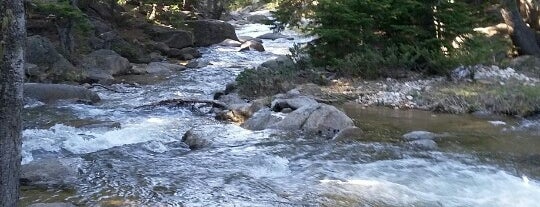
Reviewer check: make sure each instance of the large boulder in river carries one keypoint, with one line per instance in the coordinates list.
(49, 93)
(318, 118)
(230, 43)
(173, 38)
(209, 32)
(215, 135)
(49, 65)
(60, 172)
(103, 64)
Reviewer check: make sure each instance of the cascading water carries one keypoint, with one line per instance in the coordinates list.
(144, 164)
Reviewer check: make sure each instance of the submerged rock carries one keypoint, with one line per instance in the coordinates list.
(352, 133)
(52, 172)
(52, 205)
(419, 135)
(424, 144)
(50, 93)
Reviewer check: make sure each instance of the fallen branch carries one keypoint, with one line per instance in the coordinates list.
(183, 102)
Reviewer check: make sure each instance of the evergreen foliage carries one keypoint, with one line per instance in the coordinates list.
(390, 34)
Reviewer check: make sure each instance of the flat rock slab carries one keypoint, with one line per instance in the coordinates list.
(50, 93)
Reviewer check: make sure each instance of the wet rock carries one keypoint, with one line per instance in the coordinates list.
(261, 120)
(156, 57)
(274, 36)
(52, 172)
(351, 133)
(230, 99)
(138, 69)
(248, 38)
(187, 53)
(52, 205)
(101, 64)
(280, 62)
(93, 124)
(321, 119)
(163, 67)
(173, 38)
(230, 43)
(419, 135)
(209, 32)
(195, 139)
(252, 45)
(50, 65)
(423, 144)
(49, 93)
(198, 64)
(258, 19)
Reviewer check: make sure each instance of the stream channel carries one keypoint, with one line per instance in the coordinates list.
(144, 163)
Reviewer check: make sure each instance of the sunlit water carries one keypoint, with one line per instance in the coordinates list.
(144, 163)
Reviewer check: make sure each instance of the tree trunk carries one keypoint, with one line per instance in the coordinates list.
(12, 45)
(523, 37)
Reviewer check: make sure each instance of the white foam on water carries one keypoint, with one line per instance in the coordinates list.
(408, 182)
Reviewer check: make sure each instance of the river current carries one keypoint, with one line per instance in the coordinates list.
(144, 163)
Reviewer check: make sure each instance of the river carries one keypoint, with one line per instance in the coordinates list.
(144, 163)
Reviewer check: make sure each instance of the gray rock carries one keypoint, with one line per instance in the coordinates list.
(138, 69)
(173, 38)
(230, 43)
(258, 19)
(209, 32)
(51, 65)
(252, 45)
(274, 36)
(107, 61)
(49, 93)
(232, 98)
(52, 205)
(195, 139)
(248, 38)
(53, 172)
(327, 121)
(352, 133)
(261, 120)
(187, 53)
(423, 144)
(279, 62)
(293, 102)
(320, 119)
(198, 64)
(419, 135)
(163, 67)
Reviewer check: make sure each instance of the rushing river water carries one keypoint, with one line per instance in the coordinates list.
(144, 163)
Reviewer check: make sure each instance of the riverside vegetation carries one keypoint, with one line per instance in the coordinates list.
(360, 42)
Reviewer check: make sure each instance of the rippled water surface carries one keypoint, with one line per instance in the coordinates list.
(479, 163)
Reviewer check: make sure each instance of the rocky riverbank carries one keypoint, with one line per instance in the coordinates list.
(485, 89)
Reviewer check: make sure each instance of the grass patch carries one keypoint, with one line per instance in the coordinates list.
(511, 99)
